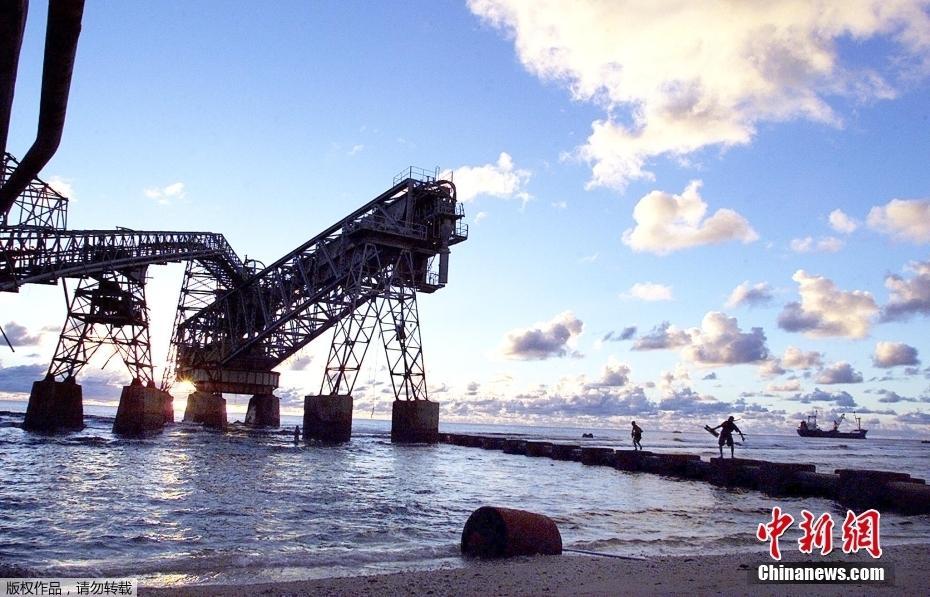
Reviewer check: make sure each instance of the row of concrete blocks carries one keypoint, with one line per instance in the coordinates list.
(858, 488)
(58, 405)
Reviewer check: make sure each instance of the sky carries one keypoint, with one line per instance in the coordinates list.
(678, 211)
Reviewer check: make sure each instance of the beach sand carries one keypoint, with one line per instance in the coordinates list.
(593, 575)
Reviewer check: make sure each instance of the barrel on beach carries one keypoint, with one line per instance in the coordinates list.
(492, 532)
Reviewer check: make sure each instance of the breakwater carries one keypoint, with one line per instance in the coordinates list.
(854, 488)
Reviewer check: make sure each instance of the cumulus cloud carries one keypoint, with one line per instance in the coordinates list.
(501, 179)
(614, 374)
(795, 358)
(825, 310)
(889, 397)
(662, 337)
(893, 354)
(166, 195)
(752, 296)
(842, 223)
(19, 335)
(648, 291)
(719, 341)
(827, 244)
(62, 186)
(19, 378)
(666, 222)
(697, 75)
(916, 418)
(818, 395)
(792, 385)
(839, 372)
(480, 217)
(771, 368)
(554, 338)
(685, 401)
(902, 219)
(908, 296)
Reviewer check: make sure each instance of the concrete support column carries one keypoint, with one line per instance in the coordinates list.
(55, 406)
(141, 409)
(264, 411)
(415, 421)
(328, 418)
(168, 407)
(207, 409)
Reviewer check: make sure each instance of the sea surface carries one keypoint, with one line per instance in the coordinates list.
(190, 506)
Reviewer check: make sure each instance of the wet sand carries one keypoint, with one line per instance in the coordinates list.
(592, 575)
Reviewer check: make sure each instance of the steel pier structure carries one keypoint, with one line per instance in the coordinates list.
(359, 276)
(107, 307)
(236, 322)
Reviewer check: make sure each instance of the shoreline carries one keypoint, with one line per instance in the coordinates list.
(593, 575)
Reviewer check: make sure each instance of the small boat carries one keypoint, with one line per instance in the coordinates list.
(809, 428)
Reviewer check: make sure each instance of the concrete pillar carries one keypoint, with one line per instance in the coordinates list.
(328, 418)
(55, 406)
(415, 421)
(264, 411)
(168, 407)
(207, 409)
(141, 409)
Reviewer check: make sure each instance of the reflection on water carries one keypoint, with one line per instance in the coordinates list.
(194, 506)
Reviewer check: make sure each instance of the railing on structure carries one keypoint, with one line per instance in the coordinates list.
(418, 174)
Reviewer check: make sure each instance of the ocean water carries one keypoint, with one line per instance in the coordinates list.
(193, 506)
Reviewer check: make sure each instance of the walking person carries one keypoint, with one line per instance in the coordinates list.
(726, 435)
(296, 434)
(637, 434)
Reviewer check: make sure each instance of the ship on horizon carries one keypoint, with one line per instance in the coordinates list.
(809, 428)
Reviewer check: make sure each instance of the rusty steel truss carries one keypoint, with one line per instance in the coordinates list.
(359, 274)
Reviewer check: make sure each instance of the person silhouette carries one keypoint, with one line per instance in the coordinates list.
(726, 435)
(296, 433)
(637, 434)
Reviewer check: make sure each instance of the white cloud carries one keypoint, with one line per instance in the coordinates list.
(744, 294)
(589, 258)
(648, 291)
(826, 244)
(356, 149)
(825, 310)
(771, 368)
(480, 217)
(667, 222)
(908, 296)
(615, 374)
(842, 223)
(719, 341)
(166, 195)
(839, 372)
(553, 338)
(62, 186)
(662, 337)
(19, 335)
(903, 219)
(690, 75)
(893, 354)
(795, 358)
(501, 180)
(560, 205)
(792, 385)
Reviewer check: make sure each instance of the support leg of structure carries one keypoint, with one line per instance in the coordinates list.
(141, 410)
(328, 418)
(167, 406)
(415, 421)
(54, 406)
(207, 409)
(264, 411)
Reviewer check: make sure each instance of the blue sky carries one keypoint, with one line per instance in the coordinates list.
(621, 167)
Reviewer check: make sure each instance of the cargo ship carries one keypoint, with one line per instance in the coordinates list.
(809, 428)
